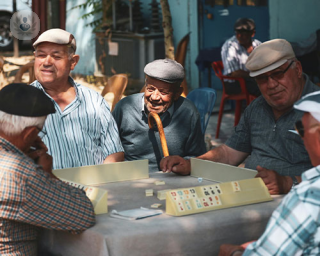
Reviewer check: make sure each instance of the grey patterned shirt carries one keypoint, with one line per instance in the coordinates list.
(270, 142)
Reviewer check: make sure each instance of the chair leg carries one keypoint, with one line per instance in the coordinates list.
(237, 112)
(220, 117)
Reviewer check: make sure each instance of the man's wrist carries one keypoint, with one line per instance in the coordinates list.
(237, 253)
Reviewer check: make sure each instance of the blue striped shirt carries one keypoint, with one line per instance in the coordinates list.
(234, 56)
(84, 133)
(294, 227)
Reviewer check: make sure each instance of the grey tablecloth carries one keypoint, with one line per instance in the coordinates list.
(198, 234)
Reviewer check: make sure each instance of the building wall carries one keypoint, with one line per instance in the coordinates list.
(84, 37)
(293, 20)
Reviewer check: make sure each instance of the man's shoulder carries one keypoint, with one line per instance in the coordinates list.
(130, 101)
(232, 41)
(87, 91)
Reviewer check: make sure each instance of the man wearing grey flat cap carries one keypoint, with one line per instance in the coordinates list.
(234, 54)
(82, 131)
(180, 118)
(293, 228)
(31, 196)
(265, 130)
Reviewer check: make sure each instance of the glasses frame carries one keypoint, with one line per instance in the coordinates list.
(271, 75)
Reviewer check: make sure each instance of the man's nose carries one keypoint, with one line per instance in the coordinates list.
(272, 82)
(48, 60)
(155, 95)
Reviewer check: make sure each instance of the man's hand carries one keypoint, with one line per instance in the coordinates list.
(175, 164)
(230, 249)
(276, 183)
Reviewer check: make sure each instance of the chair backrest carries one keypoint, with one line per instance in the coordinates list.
(204, 99)
(217, 67)
(27, 67)
(115, 84)
(180, 57)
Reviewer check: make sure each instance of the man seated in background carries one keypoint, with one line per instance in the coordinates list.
(293, 228)
(234, 54)
(82, 131)
(31, 196)
(179, 116)
(265, 130)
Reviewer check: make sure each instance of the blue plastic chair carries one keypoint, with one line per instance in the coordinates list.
(204, 99)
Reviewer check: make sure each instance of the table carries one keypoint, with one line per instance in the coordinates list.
(198, 234)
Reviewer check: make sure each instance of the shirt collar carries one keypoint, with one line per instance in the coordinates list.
(170, 110)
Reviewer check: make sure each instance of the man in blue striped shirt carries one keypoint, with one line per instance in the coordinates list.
(294, 226)
(82, 131)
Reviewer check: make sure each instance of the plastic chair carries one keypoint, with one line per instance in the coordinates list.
(244, 95)
(204, 99)
(27, 67)
(115, 84)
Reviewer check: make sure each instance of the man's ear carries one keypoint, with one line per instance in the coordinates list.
(29, 134)
(74, 61)
(299, 68)
(253, 33)
(178, 93)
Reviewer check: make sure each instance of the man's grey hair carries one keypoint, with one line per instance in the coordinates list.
(12, 125)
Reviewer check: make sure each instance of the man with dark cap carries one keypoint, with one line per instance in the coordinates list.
(234, 54)
(82, 131)
(180, 118)
(265, 129)
(293, 228)
(31, 196)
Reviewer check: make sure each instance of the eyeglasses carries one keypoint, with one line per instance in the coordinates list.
(275, 76)
(298, 126)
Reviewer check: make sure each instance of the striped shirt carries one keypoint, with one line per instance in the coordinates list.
(294, 227)
(84, 133)
(234, 56)
(30, 198)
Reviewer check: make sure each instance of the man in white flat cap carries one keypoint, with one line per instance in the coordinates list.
(293, 228)
(82, 131)
(180, 118)
(265, 130)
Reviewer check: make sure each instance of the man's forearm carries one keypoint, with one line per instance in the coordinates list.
(116, 157)
(239, 73)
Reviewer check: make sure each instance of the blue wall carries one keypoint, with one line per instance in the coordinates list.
(293, 20)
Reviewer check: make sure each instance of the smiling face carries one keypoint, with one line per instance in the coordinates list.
(159, 95)
(281, 92)
(52, 64)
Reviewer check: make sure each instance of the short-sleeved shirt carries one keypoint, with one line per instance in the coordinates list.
(272, 143)
(30, 198)
(234, 56)
(294, 227)
(84, 133)
(181, 125)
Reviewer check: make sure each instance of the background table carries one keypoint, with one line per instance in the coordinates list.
(198, 234)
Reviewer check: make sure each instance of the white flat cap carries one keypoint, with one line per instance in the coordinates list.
(269, 56)
(166, 70)
(56, 36)
(310, 103)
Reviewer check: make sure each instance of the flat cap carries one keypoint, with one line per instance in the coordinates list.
(269, 56)
(166, 70)
(244, 24)
(57, 36)
(310, 103)
(25, 100)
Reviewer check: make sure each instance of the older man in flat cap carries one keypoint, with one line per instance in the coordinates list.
(180, 118)
(31, 196)
(234, 54)
(265, 130)
(294, 226)
(82, 131)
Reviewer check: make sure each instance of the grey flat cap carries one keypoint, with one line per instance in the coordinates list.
(56, 36)
(310, 103)
(269, 56)
(166, 70)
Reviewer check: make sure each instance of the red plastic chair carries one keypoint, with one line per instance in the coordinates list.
(244, 95)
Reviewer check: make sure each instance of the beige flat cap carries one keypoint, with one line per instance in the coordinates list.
(166, 70)
(269, 56)
(56, 36)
